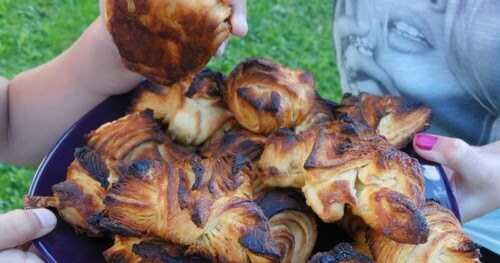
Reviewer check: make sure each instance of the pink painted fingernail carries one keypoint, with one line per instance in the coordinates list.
(425, 141)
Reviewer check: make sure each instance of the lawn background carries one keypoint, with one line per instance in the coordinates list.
(293, 32)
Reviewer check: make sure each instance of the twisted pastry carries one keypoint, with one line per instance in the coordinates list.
(346, 163)
(293, 225)
(167, 40)
(446, 243)
(341, 253)
(93, 171)
(192, 110)
(265, 96)
(393, 117)
(204, 206)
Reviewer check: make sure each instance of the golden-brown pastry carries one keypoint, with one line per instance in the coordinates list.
(393, 117)
(265, 96)
(203, 205)
(322, 113)
(346, 163)
(341, 253)
(167, 40)
(446, 243)
(81, 195)
(192, 110)
(133, 137)
(293, 225)
(233, 142)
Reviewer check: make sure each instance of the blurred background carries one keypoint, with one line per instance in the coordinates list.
(296, 33)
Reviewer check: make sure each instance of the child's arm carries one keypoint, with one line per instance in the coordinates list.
(38, 105)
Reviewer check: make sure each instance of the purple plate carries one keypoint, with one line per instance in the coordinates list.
(64, 245)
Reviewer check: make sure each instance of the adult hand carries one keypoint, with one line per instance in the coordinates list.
(19, 227)
(474, 172)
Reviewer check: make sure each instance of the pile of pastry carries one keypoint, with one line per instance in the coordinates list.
(244, 168)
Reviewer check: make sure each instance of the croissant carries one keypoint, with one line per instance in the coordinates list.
(167, 40)
(394, 118)
(204, 206)
(346, 163)
(446, 243)
(341, 253)
(265, 96)
(93, 171)
(293, 225)
(322, 113)
(192, 110)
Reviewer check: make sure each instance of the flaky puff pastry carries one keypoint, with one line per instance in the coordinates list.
(293, 225)
(80, 197)
(192, 110)
(344, 164)
(393, 117)
(167, 40)
(341, 253)
(446, 243)
(265, 96)
(204, 205)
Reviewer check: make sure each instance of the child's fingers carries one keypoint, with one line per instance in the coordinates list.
(239, 18)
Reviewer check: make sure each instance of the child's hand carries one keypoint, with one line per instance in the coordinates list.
(20, 227)
(473, 171)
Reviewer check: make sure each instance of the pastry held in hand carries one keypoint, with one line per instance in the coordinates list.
(447, 242)
(192, 109)
(393, 117)
(265, 96)
(167, 40)
(293, 225)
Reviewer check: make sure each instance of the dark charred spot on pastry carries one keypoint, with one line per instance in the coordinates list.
(198, 171)
(156, 251)
(201, 212)
(183, 193)
(342, 148)
(116, 228)
(277, 201)
(213, 88)
(275, 105)
(229, 138)
(307, 78)
(341, 253)
(239, 162)
(94, 164)
(345, 117)
(349, 129)
(259, 64)
(140, 168)
(246, 94)
(68, 193)
(259, 241)
(313, 156)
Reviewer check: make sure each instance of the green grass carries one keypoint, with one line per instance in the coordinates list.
(296, 33)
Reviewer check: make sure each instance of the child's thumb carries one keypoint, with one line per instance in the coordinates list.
(451, 152)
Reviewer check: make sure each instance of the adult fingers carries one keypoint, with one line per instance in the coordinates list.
(15, 255)
(20, 226)
(239, 18)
